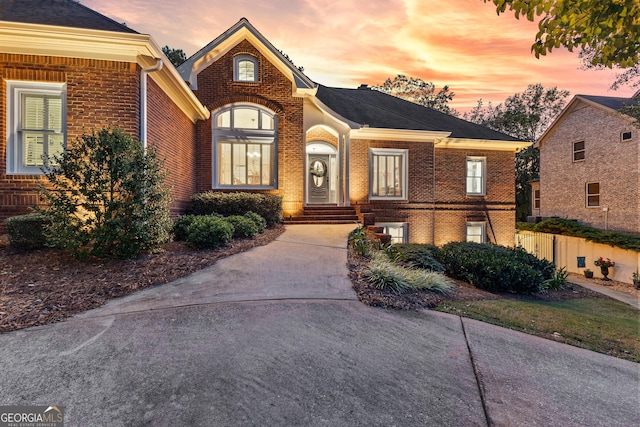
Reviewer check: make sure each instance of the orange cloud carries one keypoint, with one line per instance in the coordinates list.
(460, 43)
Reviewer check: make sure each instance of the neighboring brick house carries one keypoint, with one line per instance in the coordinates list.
(589, 165)
(67, 70)
(248, 120)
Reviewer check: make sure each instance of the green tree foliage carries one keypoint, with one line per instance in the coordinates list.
(420, 92)
(176, 56)
(524, 116)
(106, 197)
(609, 28)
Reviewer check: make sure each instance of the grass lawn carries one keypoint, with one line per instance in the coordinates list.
(602, 325)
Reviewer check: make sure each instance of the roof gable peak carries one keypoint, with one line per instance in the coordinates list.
(240, 31)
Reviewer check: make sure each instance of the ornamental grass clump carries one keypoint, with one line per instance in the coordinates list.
(385, 274)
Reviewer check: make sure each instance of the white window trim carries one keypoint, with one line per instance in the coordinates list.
(241, 134)
(573, 152)
(483, 191)
(536, 199)
(403, 225)
(623, 139)
(405, 172)
(15, 89)
(236, 68)
(482, 224)
(587, 194)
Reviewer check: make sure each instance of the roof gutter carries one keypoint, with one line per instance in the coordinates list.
(143, 100)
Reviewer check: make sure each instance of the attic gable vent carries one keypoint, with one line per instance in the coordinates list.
(625, 136)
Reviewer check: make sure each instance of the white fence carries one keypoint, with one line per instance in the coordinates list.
(576, 254)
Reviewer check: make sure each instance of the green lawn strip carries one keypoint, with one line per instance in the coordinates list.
(598, 324)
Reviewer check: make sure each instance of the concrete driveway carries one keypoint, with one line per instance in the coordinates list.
(276, 337)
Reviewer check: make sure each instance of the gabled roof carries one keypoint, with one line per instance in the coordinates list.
(615, 103)
(62, 13)
(609, 104)
(242, 30)
(375, 109)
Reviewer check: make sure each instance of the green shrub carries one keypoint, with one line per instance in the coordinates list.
(208, 232)
(242, 226)
(525, 226)
(358, 240)
(28, 231)
(495, 268)
(419, 256)
(257, 220)
(573, 228)
(385, 274)
(268, 206)
(106, 197)
(557, 281)
(181, 226)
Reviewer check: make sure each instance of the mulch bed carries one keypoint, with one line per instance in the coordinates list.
(47, 286)
(462, 291)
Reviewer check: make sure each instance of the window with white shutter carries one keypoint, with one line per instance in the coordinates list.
(37, 128)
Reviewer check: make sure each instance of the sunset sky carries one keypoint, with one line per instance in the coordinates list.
(460, 43)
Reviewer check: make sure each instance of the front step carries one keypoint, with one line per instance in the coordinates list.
(325, 215)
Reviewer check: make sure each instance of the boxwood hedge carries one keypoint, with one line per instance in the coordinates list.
(268, 206)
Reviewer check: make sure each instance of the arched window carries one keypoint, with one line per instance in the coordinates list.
(244, 147)
(245, 68)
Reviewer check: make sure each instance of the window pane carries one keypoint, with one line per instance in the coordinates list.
(245, 118)
(246, 70)
(239, 164)
(397, 233)
(267, 121)
(578, 146)
(593, 201)
(55, 147)
(33, 146)
(253, 158)
(475, 233)
(54, 113)
(475, 178)
(578, 155)
(266, 165)
(33, 112)
(593, 188)
(224, 120)
(224, 164)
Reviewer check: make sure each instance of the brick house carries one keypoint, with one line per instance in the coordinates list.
(66, 70)
(248, 120)
(589, 165)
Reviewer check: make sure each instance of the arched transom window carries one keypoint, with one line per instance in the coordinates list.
(244, 147)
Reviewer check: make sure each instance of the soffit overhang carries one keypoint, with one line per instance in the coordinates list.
(69, 42)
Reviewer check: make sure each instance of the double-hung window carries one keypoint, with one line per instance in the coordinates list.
(593, 194)
(36, 131)
(245, 68)
(476, 176)
(387, 174)
(244, 147)
(578, 151)
(397, 230)
(476, 232)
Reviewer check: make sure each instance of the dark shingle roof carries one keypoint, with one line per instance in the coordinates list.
(612, 102)
(379, 110)
(64, 13)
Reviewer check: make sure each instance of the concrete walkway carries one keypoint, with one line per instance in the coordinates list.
(275, 337)
(620, 296)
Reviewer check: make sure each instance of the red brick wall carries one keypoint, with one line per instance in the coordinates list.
(99, 93)
(319, 134)
(216, 88)
(173, 134)
(442, 218)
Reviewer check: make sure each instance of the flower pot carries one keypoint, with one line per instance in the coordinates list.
(588, 274)
(605, 272)
(637, 284)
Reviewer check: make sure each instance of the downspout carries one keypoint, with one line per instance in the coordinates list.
(433, 198)
(143, 100)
